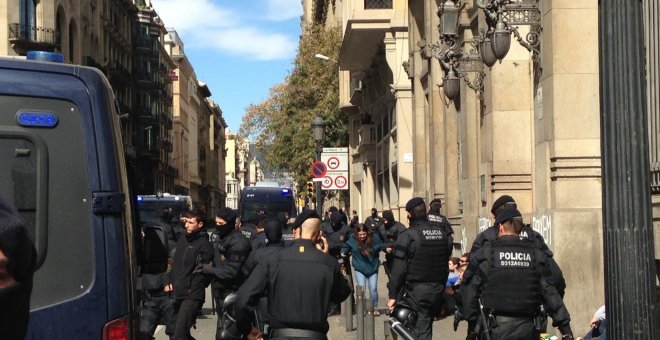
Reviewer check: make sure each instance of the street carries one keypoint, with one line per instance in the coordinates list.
(442, 329)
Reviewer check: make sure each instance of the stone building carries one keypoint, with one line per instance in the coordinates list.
(527, 127)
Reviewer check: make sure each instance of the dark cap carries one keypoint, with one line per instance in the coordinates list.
(273, 230)
(507, 215)
(333, 209)
(500, 202)
(435, 200)
(414, 202)
(304, 216)
(374, 210)
(388, 215)
(227, 214)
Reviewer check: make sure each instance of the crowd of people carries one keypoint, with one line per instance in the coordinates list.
(265, 271)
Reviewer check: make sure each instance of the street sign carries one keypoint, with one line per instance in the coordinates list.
(319, 169)
(327, 182)
(336, 162)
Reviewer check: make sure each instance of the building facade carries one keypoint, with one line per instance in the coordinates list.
(526, 127)
(236, 167)
(128, 42)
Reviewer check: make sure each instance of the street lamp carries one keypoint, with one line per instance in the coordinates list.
(459, 57)
(323, 57)
(318, 128)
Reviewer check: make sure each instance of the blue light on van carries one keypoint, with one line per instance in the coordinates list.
(285, 191)
(140, 198)
(45, 56)
(36, 119)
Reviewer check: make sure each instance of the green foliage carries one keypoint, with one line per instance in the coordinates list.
(281, 125)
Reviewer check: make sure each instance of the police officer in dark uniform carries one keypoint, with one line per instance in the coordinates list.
(389, 232)
(374, 221)
(273, 233)
(512, 280)
(304, 269)
(420, 268)
(436, 217)
(249, 226)
(231, 249)
(158, 306)
(337, 233)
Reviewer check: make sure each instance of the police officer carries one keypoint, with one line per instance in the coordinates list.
(389, 232)
(273, 233)
(512, 280)
(158, 306)
(436, 217)
(301, 268)
(420, 268)
(374, 221)
(231, 249)
(249, 226)
(337, 233)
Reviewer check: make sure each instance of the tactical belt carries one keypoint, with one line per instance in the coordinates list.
(297, 333)
(502, 318)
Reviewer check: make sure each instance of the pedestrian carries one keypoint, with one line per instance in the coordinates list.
(17, 265)
(511, 282)
(189, 284)
(230, 250)
(374, 221)
(598, 330)
(453, 271)
(354, 219)
(300, 281)
(420, 270)
(158, 304)
(389, 232)
(364, 248)
(273, 231)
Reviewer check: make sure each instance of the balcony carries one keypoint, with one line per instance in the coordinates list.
(118, 72)
(166, 144)
(365, 23)
(27, 37)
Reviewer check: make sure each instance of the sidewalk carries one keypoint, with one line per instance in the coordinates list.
(442, 329)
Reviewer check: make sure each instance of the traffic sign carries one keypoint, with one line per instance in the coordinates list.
(327, 182)
(333, 163)
(319, 169)
(340, 182)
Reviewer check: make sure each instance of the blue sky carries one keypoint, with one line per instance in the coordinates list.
(239, 48)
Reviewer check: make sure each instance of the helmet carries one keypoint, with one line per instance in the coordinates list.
(405, 314)
(228, 329)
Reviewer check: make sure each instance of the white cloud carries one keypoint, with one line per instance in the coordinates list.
(204, 24)
(281, 10)
(255, 43)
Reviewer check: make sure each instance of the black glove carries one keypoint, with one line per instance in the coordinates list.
(457, 319)
(567, 333)
(205, 268)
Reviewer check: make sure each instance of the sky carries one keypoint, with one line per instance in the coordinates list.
(239, 48)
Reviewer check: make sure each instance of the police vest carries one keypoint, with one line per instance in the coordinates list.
(429, 263)
(513, 286)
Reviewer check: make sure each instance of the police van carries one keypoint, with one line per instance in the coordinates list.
(266, 200)
(152, 207)
(63, 167)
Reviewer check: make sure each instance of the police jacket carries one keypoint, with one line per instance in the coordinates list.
(490, 234)
(420, 254)
(512, 278)
(158, 245)
(389, 232)
(249, 230)
(287, 234)
(230, 253)
(300, 282)
(259, 255)
(373, 223)
(368, 264)
(258, 241)
(192, 250)
(443, 222)
(336, 237)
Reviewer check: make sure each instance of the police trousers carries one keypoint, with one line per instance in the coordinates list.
(157, 309)
(427, 300)
(514, 329)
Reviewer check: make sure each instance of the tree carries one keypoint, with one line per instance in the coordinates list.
(280, 126)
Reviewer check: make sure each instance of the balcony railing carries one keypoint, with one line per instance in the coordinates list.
(27, 37)
(377, 4)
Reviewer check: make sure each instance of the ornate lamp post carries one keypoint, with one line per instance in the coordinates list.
(318, 129)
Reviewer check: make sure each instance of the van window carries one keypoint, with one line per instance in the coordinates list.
(44, 172)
